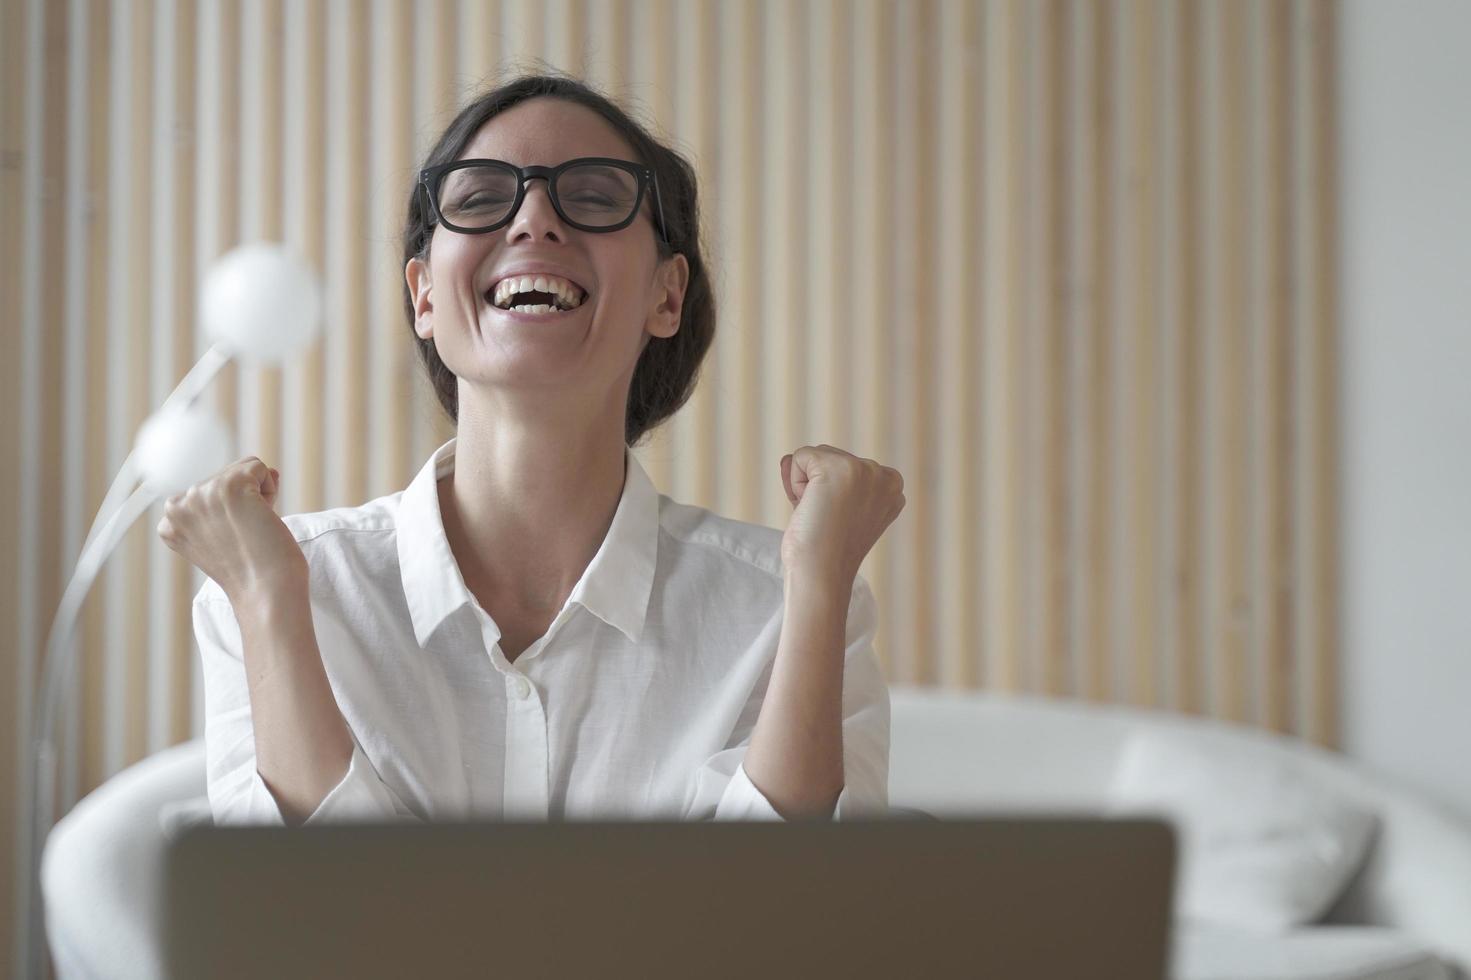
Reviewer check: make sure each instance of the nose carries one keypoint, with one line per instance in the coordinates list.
(536, 216)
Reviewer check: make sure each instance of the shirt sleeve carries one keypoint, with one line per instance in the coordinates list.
(237, 793)
(724, 790)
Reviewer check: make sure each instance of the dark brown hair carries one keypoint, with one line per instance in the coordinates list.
(668, 368)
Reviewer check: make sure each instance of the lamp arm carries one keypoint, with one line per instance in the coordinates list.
(56, 674)
(183, 395)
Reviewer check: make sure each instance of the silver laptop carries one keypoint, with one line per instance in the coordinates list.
(1063, 897)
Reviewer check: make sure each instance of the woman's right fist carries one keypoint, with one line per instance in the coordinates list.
(227, 527)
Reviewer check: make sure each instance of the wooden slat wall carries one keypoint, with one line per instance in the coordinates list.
(1066, 264)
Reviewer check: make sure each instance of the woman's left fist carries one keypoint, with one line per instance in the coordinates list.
(843, 504)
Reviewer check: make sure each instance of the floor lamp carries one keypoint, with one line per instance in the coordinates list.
(259, 303)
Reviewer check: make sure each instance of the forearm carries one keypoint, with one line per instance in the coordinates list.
(796, 753)
(302, 744)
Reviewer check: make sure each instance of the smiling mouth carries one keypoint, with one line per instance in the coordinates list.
(544, 294)
(526, 308)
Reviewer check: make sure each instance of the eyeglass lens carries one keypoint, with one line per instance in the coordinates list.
(591, 194)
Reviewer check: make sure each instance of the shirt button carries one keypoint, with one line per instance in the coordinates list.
(520, 686)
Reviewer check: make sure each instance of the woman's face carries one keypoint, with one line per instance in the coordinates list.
(588, 354)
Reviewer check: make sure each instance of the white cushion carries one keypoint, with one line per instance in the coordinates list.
(1261, 845)
(1211, 952)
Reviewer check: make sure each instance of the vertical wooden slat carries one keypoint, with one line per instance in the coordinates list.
(1116, 371)
(140, 403)
(1230, 610)
(471, 30)
(67, 214)
(219, 122)
(695, 118)
(1142, 536)
(164, 349)
(597, 64)
(729, 134)
(1004, 234)
(41, 267)
(607, 46)
(923, 462)
(125, 667)
(477, 28)
(15, 661)
(1047, 382)
(1167, 155)
(1061, 582)
(104, 662)
(347, 202)
(739, 345)
(563, 43)
(958, 260)
(267, 166)
(58, 141)
(528, 34)
(1317, 503)
(305, 200)
(1077, 328)
(184, 148)
(1189, 302)
(295, 426)
(781, 265)
(389, 358)
(93, 41)
(246, 196)
(910, 299)
(817, 298)
(1098, 635)
(1210, 361)
(1273, 572)
(443, 58)
(871, 261)
(652, 66)
(1030, 421)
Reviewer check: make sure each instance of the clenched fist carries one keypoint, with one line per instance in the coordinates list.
(842, 504)
(227, 527)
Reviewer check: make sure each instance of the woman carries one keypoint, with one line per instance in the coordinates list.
(537, 633)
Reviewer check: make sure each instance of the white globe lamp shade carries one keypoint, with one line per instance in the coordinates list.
(261, 302)
(177, 448)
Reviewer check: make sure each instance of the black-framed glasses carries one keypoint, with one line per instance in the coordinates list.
(596, 194)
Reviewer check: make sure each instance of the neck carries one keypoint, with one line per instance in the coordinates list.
(528, 505)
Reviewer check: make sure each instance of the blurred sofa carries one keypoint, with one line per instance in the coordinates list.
(1403, 914)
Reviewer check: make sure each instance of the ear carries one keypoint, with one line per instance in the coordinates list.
(417, 275)
(674, 278)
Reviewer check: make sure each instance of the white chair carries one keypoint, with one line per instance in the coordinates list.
(1405, 916)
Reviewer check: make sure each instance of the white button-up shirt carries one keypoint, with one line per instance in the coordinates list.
(637, 703)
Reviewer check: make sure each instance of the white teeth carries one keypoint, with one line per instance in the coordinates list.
(539, 308)
(568, 295)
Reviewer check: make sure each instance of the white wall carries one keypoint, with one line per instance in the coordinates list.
(1406, 322)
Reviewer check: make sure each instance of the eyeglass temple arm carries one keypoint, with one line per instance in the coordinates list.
(659, 202)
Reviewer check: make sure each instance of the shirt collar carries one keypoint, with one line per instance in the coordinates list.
(615, 587)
